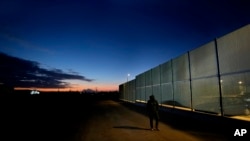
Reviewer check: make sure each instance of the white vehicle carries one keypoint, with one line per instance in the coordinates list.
(34, 92)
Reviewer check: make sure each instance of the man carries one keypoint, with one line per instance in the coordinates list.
(152, 108)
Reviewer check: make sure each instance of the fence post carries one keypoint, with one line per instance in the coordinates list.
(219, 76)
(190, 80)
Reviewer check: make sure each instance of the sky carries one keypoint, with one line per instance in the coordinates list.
(95, 44)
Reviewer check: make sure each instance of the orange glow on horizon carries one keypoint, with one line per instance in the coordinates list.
(78, 88)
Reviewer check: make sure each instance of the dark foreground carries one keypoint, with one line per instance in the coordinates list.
(84, 118)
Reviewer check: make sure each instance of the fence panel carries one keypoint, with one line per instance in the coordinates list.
(140, 87)
(205, 94)
(156, 82)
(204, 79)
(182, 93)
(233, 52)
(166, 83)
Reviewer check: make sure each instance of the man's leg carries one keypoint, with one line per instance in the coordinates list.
(156, 121)
(151, 118)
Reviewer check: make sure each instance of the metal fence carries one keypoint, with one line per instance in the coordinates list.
(214, 78)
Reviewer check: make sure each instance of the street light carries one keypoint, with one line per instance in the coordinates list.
(128, 76)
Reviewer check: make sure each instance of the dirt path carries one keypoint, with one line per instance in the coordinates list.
(111, 121)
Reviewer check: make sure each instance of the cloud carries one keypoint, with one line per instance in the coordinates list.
(18, 72)
(23, 43)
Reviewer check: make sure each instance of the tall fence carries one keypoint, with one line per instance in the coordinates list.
(214, 78)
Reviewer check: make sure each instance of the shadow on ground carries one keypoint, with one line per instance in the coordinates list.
(130, 127)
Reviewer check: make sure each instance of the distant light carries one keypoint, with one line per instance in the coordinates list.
(34, 92)
(128, 76)
(240, 82)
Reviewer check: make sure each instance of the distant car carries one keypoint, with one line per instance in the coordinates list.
(34, 92)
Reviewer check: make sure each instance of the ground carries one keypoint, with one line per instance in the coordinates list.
(81, 119)
(111, 121)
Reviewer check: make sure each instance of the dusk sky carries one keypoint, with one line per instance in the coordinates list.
(81, 44)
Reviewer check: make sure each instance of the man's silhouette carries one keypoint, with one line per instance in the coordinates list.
(152, 108)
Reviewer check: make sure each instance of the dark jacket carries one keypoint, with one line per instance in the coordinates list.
(152, 105)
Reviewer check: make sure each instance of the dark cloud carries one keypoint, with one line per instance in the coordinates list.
(24, 73)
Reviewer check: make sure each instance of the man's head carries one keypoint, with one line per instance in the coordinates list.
(151, 97)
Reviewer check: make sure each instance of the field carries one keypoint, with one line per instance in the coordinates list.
(48, 116)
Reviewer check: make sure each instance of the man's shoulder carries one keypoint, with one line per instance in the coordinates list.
(155, 101)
